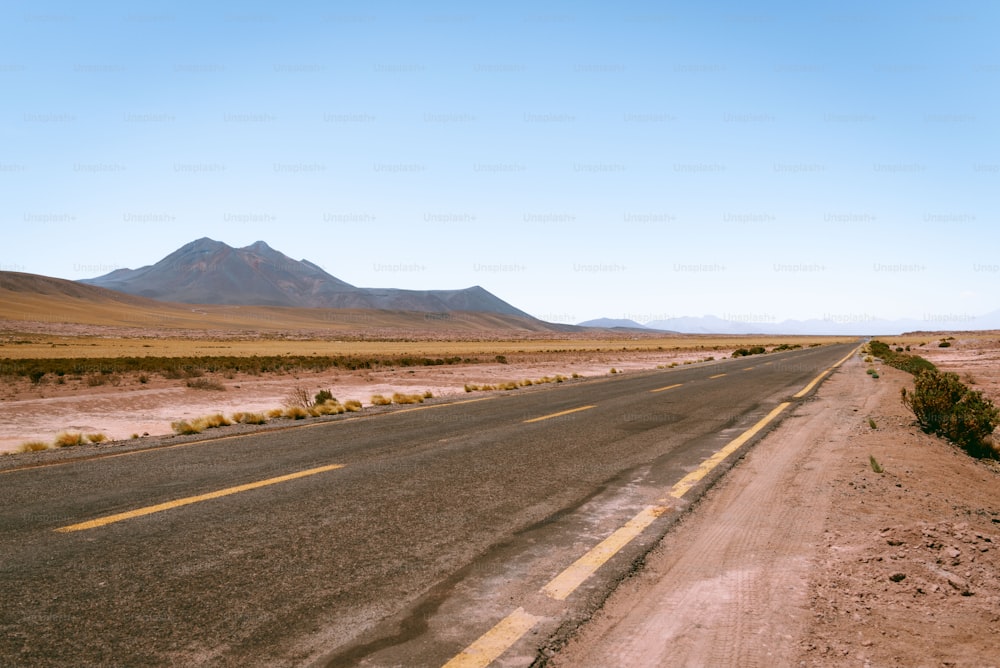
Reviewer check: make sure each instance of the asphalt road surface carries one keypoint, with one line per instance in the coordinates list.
(396, 538)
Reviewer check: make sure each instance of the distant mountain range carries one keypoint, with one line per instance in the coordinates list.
(210, 272)
(859, 325)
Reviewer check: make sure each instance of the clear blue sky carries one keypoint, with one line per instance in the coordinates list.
(633, 159)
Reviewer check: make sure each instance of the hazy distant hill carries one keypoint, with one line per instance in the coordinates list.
(210, 272)
(844, 325)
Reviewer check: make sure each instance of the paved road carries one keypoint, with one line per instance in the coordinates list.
(389, 539)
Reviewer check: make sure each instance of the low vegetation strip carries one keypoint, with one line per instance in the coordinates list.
(187, 367)
(943, 405)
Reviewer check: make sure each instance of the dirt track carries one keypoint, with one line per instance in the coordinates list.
(796, 557)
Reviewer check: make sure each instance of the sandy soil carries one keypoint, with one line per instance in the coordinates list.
(39, 412)
(803, 555)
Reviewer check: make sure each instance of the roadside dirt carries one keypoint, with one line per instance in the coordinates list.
(804, 555)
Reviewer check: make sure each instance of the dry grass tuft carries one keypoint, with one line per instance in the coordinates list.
(185, 428)
(33, 446)
(296, 413)
(249, 418)
(402, 398)
(352, 405)
(68, 439)
(97, 438)
(275, 413)
(379, 400)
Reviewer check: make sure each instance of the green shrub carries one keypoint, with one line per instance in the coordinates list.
(946, 407)
(323, 396)
(944, 344)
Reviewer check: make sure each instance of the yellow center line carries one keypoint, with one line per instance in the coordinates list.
(495, 642)
(749, 368)
(560, 414)
(718, 375)
(668, 387)
(149, 510)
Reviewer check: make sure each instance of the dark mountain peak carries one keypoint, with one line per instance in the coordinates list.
(207, 271)
(202, 245)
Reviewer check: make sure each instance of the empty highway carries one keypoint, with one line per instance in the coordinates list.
(458, 531)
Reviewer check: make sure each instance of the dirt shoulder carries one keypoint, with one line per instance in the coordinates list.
(803, 555)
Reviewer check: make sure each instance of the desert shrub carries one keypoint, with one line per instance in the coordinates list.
(757, 350)
(946, 407)
(323, 396)
(143, 378)
(403, 398)
(379, 400)
(352, 405)
(68, 439)
(428, 394)
(97, 437)
(944, 344)
(36, 376)
(96, 380)
(206, 384)
(33, 446)
(298, 397)
(913, 364)
(275, 413)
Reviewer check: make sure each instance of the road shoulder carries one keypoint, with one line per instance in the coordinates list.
(792, 557)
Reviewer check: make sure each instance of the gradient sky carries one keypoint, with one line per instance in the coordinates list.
(633, 159)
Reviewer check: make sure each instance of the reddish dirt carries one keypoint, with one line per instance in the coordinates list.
(804, 555)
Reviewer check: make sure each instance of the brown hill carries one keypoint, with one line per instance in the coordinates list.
(34, 298)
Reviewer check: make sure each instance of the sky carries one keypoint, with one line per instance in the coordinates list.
(643, 160)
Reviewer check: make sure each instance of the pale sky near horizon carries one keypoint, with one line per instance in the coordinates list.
(636, 159)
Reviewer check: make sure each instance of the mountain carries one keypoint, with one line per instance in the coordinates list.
(31, 301)
(210, 272)
(612, 323)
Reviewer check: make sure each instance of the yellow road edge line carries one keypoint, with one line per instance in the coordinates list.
(149, 510)
(564, 584)
(691, 479)
(509, 630)
(718, 375)
(668, 387)
(494, 642)
(805, 390)
(560, 414)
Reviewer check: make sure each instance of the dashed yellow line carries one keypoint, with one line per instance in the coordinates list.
(805, 390)
(160, 507)
(718, 375)
(560, 414)
(668, 387)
